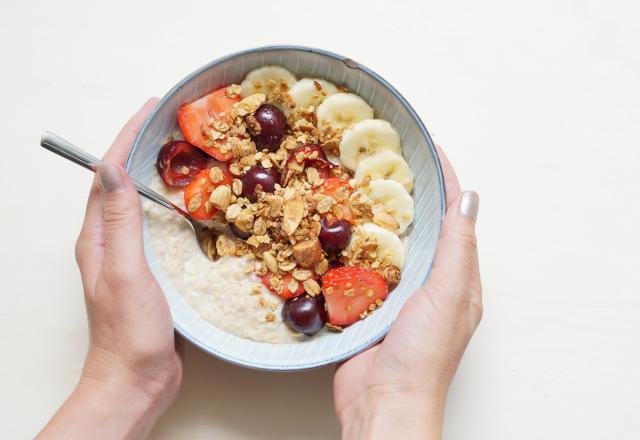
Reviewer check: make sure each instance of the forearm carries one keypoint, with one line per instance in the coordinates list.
(398, 416)
(103, 410)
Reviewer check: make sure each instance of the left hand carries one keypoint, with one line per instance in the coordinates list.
(133, 368)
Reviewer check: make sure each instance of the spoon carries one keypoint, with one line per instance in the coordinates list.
(66, 149)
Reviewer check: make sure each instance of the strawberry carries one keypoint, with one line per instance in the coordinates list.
(340, 190)
(283, 291)
(197, 193)
(193, 119)
(351, 293)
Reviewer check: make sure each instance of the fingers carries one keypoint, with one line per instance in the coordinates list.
(121, 224)
(451, 184)
(119, 150)
(455, 270)
(89, 247)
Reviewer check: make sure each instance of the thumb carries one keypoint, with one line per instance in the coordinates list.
(122, 220)
(455, 267)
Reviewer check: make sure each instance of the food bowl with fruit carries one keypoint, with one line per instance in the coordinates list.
(323, 194)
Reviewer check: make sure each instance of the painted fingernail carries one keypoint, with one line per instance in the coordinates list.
(109, 178)
(470, 204)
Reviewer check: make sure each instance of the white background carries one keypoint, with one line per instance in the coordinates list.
(537, 105)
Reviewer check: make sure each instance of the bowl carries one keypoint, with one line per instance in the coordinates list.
(328, 347)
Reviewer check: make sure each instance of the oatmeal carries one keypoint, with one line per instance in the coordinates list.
(298, 242)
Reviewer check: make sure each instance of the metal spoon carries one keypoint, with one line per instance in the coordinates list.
(66, 149)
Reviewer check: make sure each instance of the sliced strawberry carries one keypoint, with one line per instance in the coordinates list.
(340, 190)
(197, 193)
(179, 162)
(351, 293)
(193, 120)
(283, 291)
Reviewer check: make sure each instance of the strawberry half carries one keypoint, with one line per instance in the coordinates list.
(284, 292)
(193, 119)
(351, 293)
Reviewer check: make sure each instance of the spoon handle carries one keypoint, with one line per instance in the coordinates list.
(66, 149)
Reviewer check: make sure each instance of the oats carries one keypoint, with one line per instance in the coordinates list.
(266, 163)
(235, 168)
(195, 203)
(292, 285)
(221, 197)
(334, 328)
(233, 91)
(324, 205)
(322, 267)
(379, 302)
(289, 144)
(233, 211)
(216, 175)
(256, 289)
(270, 261)
(237, 186)
(287, 266)
(301, 274)
(383, 218)
(312, 175)
(249, 104)
(311, 287)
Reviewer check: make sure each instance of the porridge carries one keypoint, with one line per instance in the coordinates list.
(308, 199)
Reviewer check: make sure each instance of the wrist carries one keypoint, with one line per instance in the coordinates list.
(385, 413)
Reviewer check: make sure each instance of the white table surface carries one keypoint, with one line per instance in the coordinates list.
(537, 105)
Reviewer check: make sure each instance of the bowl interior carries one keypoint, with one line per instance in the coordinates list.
(422, 236)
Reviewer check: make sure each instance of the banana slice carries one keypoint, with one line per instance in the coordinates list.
(394, 199)
(310, 91)
(390, 246)
(385, 165)
(367, 138)
(266, 80)
(342, 110)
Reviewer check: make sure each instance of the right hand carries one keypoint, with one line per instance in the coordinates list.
(399, 387)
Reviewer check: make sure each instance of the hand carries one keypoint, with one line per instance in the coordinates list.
(133, 368)
(399, 387)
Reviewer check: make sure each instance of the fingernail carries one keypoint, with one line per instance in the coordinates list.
(470, 204)
(109, 178)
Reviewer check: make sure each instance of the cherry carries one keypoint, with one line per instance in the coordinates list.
(272, 126)
(265, 177)
(334, 236)
(305, 314)
(179, 162)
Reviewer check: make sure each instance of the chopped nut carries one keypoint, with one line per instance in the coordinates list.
(293, 213)
(244, 220)
(221, 197)
(225, 246)
(308, 253)
(287, 266)
(311, 286)
(383, 218)
(249, 104)
(270, 261)
(391, 275)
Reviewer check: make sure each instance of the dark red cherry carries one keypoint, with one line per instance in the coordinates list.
(272, 127)
(179, 162)
(305, 314)
(265, 177)
(334, 236)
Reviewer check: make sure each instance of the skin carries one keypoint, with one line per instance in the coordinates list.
(133, 367)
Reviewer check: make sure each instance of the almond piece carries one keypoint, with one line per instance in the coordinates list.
(308, 253)
(292, 215)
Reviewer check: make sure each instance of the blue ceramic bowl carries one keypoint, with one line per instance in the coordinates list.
(428, 194)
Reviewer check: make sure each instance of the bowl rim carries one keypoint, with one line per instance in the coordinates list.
(349, 63)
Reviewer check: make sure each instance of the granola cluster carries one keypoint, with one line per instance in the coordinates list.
(282, 227)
